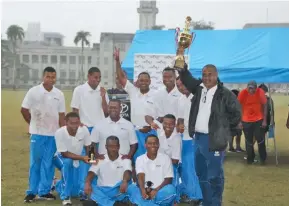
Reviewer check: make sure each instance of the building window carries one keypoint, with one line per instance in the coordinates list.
(35, 59)
(72, 75)
(97, 62)
(72, 60)
(80, 58)
(105, 46)
(63, 60)
(105, 60)
(62, 74)
(89, 60)
(53, 59)
(62, 81)
(35, 74)
(25, 58)
(44, 59)
(105, 73)
(7, 72)
(122, 47)
(105, 83)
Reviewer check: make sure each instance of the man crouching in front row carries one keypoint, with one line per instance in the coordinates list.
(155, 175)
(113, 177)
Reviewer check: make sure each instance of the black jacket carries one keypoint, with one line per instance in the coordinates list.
(225, 111)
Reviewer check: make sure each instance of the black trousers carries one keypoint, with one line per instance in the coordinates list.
(251, 130)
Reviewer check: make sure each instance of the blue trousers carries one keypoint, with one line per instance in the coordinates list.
(190, 185)
(209, 168)
(41, 171)
(141, 137)
(83, 168)
(164, 197)
(70, 183)
(107, 196)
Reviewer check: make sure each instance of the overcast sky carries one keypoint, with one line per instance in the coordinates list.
(121, 16)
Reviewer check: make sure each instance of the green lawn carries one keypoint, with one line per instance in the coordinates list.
(245, 185)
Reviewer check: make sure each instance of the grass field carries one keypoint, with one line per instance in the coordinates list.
(245, 185)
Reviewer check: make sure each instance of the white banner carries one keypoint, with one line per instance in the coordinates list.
(154, 64)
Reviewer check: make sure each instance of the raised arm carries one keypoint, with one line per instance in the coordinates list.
(188, 80)
(119, 72)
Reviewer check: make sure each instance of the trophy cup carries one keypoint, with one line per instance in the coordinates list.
(148, 188)
(185, 39)
(91, 155)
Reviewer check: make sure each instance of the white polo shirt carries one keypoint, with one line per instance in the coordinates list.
(184, 108)
(171, 146)
(165, 103)
(74, 144)
(155, 170)
(89, 103)
(109, 172)
(202, 122)
(44, 108)
(139, 103)
(122, 129)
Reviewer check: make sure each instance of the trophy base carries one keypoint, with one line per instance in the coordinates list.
(179, 64)
(92, 161)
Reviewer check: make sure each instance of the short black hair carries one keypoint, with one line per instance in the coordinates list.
(144, 73)
(93, 69)
(49, 69)
(151, 135)
(115, 100)
(170, 116)
(71, 115)
(264, 87)
(112, 138)
(169, 69)
(211, 66)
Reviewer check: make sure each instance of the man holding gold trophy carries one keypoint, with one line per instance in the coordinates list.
(214, 111)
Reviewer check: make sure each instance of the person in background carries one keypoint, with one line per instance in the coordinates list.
(235, 132)
(214, 111)
(90, 101)
(119, 86)
(270, 107)
(113, 177)
(190, 189)
(70, 140)
(43, 108)
(254, 112)
(155, 175)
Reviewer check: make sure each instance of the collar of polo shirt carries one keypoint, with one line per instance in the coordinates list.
(42, 88)
(118, 122)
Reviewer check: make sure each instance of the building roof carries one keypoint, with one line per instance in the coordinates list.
(53, 34)
(265, 25)
(116, 36)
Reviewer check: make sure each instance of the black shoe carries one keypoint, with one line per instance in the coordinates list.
(240, 150)
(48, 196)
(231, 150)
(262, 162)
(29, 198)
(119, 203)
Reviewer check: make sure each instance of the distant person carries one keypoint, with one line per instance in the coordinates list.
(113, 177)
(254, 122)
(90, 101)
(214, 111)
(119, 87)
(235, 132)
(70, 141)
(270, 107)
(43, 108)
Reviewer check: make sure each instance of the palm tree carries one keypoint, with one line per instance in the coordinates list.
(82, 36)
(15, 34)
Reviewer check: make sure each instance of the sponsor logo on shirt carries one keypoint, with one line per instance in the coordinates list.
(119, 167)
(158, 165)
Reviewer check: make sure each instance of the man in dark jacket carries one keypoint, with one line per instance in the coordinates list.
(215, 110)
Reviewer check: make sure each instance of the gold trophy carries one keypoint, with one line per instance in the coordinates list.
(91, 155)
(185, 39)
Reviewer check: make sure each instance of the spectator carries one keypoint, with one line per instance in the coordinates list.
(254, 112)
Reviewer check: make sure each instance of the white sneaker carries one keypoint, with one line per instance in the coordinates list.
(67, 202)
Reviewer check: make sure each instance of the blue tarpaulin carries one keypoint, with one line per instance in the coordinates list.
(260, 54)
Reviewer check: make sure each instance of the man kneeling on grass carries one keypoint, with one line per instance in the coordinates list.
(155, 175)
(113, 177)
(70, 141)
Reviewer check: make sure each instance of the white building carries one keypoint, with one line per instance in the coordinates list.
(42, 49)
